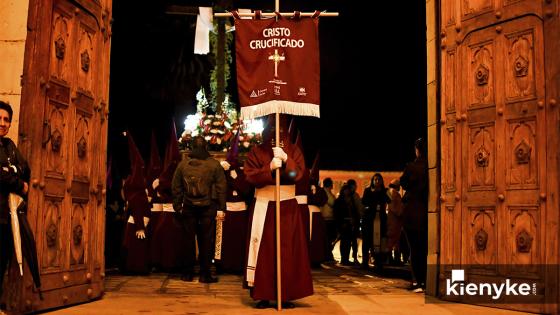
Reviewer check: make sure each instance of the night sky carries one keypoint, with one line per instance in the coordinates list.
(373, 100)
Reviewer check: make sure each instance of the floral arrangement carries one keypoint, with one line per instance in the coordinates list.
(220, 129)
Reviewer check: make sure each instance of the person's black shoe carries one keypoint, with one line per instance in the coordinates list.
(187, 277)
(207, 279)
(288, 305)
(263, 304)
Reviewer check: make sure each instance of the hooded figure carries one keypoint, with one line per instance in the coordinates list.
(167, 241)
(317, 197)
(231, 250)
(260, 166)
(135, 244)
(152, 173)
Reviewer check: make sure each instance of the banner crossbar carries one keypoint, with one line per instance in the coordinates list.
(272, 14)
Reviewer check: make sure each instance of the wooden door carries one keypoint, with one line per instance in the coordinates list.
(64, 136)
(499, 211)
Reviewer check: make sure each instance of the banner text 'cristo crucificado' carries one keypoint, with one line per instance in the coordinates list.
(276, 37)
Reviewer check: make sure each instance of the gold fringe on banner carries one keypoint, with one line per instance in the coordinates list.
(282, 107)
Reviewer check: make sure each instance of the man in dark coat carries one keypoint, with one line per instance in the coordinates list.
(14, 178)
(415, 213)
(194, 182)
(260, 169)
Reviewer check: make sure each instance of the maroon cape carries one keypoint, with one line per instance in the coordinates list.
(296, 273)
(236, 225)
(135, 250)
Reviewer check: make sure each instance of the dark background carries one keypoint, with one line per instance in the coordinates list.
(373, 79)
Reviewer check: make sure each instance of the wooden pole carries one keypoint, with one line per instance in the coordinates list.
(278, 247)
(277, 172)
(278, 253)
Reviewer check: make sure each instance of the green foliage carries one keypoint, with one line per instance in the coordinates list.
(228, 105)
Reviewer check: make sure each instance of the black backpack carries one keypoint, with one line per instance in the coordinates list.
(197, 180)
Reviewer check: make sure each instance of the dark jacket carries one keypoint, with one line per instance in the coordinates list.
(214, 181)
(373, 198)
(11, 180)
(415, 201)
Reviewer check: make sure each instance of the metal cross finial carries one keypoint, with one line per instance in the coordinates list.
(276, 58)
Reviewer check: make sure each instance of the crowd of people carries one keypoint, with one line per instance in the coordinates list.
(221, 214)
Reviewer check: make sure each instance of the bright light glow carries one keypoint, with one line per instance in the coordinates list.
(253, 126)
(192, 122)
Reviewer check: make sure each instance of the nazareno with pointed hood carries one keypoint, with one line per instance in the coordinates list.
(154, 166)
(135, 250)
(170, 162)
(135, 185)
(233, 153)
(167, 240)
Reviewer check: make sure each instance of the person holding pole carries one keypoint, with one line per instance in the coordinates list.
(260, 170)
(14, 178)
(277, 79)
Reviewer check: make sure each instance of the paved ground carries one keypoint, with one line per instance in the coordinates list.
(338, 290)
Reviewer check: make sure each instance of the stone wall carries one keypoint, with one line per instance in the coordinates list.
(13, 32)
(432, 86)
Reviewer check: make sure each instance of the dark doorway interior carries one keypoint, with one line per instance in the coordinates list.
(373, 100)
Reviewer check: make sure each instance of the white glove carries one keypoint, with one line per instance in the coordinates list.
(275, 163)
(225, 165)
(140, 234)
(279, 153)
(148, 194)
(221, 215)
(155, 183)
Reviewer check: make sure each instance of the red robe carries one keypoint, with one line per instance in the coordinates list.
(168, 240)
(135, 250)
(318, 245)
(236, 224)
(296, 273)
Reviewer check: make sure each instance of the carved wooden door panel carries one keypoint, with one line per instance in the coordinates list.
(494, 145)
(69, 56)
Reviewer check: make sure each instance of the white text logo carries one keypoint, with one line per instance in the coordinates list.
(458, 287)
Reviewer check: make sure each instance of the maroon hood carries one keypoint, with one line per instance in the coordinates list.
(135, 182)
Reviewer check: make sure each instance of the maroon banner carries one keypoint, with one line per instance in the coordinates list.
(278, 66)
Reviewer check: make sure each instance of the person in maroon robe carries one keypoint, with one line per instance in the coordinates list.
(168, 241)
(260, 166)
(230, 247)
(152, 173)
(135, 244)
(316, 198)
